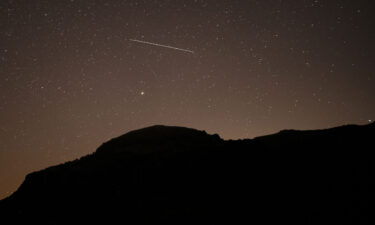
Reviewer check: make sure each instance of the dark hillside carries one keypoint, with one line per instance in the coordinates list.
(162, 174)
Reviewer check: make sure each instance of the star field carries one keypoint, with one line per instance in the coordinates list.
(70, 78)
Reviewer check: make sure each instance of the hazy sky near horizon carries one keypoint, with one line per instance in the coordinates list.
(74, 74)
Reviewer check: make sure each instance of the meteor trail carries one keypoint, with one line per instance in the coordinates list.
(159, 45)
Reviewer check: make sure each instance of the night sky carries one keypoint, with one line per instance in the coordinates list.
(74, 74)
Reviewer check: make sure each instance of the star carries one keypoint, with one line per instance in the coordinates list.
(142, 93)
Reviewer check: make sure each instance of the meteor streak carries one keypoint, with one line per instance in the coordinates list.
(159, 45)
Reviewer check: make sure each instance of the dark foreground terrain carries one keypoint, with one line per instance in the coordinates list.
(176, 175)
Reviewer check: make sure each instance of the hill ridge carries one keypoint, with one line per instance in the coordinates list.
(168, 174)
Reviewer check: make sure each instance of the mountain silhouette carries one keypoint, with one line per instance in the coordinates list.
(177, 175)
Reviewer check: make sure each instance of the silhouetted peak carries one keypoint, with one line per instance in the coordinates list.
(157, 135)
(161, 173)
(162, 132)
